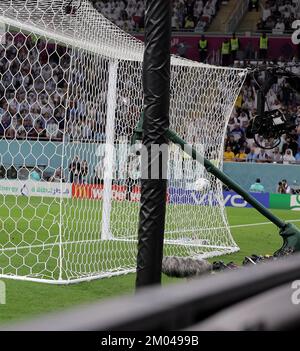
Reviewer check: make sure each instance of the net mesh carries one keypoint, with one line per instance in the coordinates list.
(71, 92)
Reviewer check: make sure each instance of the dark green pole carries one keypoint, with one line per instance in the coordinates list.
(288, 231)
(225, 179)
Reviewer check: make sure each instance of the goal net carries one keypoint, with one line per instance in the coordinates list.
(71, 96)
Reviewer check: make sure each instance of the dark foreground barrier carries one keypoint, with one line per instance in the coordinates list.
(211, 299)
(276, 309)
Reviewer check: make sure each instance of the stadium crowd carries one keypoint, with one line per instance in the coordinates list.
(34, 88)
(34, 85)
(278, 15)
(196, 15)
(188, 15)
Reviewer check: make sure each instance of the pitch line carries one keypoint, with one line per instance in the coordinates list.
(261, 223)
(190, 230)
(120, 239)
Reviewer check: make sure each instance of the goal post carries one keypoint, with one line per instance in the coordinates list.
(72, 95)
(109, 148)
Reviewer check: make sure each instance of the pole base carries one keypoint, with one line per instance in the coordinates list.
(291, 240)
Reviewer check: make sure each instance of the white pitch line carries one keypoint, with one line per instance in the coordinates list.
(125, 239)
(261, 223)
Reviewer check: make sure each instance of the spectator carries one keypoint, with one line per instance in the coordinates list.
(286, 188)
(52, 129)
(35, 175)
(58, 176)
(74, 169)
(84, 170)
(252, 156)
(130, 179)
(270, 23)
(99, 172)
(280, 188)
(189, 23)
(262, 156)
(266, 13)
(290, 143)
(182, 49)
(86, 130)
(257, 187)
(233, 121)
(276, 157)
(228, 155)
(241, 156)
(288, 157)
(232, 143)
(280, 26)
(237, 132)
(174, 21)
(260, 26)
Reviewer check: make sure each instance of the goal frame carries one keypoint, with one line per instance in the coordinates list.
(105, 234)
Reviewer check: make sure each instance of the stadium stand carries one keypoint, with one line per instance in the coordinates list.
(32, 103)
(31, 108)
(188, 15)
(278, 16)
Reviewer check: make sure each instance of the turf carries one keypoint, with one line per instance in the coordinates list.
(47, 239)
(26, 299)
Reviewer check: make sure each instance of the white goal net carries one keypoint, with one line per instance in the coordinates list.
(71, 96)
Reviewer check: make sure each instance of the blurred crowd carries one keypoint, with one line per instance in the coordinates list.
(35, 73)
(188, 15)
(34, 91)
(196, 15)
(278, 15)
(33, 104)
(33, 88)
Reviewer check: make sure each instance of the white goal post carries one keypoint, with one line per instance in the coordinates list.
(71, 96)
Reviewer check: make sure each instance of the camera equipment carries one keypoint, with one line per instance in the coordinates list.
(272, 124)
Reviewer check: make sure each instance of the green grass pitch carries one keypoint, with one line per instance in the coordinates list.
(26, 299)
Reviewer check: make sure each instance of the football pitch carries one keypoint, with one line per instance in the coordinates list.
(61, 239)
(251, 231)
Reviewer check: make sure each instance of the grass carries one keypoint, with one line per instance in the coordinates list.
(27, 299)
(30, 236)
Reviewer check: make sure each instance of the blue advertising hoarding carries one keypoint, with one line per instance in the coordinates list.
(234, 200)
(179, 196)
